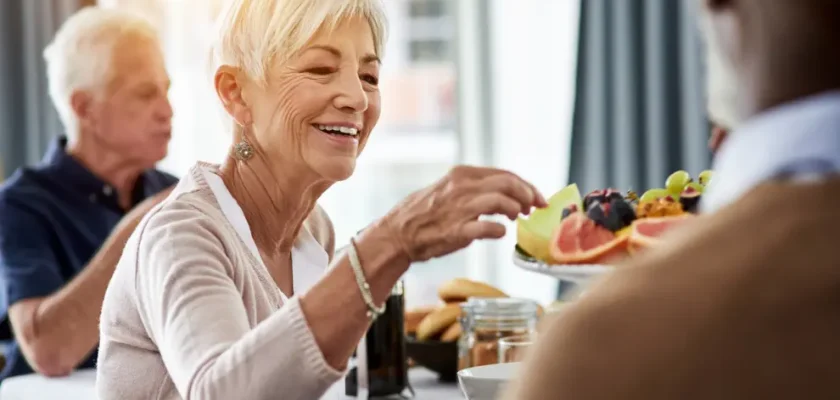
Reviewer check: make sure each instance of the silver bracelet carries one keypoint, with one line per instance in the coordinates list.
(373, 312)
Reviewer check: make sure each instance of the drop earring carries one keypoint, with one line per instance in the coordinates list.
(243, 151)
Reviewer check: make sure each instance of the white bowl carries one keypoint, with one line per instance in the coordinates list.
(486, 382)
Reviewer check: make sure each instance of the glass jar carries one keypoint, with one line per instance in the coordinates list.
(484, 321)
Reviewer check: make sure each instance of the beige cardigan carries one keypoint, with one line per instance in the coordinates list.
(192, 313)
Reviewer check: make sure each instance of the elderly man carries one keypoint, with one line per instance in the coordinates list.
(744, 303)
(64, 222)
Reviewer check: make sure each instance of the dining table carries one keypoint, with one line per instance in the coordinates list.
(81, 385)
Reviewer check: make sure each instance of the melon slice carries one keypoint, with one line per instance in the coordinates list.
(533, 233)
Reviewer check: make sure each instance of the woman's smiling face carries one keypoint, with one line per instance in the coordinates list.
(317, 109)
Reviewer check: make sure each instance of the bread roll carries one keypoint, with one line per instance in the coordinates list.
(414, 316)
(437, 321)
(452, 333)
(459, 290)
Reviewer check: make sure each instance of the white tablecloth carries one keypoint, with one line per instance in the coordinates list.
(81, 386)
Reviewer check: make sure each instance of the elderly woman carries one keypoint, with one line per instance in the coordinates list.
(229, 289)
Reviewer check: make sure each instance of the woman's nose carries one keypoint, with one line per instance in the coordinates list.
(353, 97)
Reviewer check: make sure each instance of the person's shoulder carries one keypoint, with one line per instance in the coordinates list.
(160, 178)
(24, 186)
(24, 196)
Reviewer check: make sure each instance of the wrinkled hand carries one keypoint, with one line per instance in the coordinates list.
(444, 217)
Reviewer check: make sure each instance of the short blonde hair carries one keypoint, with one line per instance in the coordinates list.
(255, 33)
(81, 53)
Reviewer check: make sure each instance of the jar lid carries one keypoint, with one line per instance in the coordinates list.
(499, 307)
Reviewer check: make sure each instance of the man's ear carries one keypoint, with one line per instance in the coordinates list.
(229, 90)
(81, 103)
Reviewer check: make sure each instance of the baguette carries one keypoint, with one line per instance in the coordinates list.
(437, 321)
(459, 290)
(452, 333)
(414, 316)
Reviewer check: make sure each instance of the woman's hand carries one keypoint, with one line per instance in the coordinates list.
(444, 217)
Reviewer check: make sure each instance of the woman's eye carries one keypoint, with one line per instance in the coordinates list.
(373, 80)
(321, 70)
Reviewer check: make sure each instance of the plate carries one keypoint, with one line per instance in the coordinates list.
(580, 274)
(486, 382)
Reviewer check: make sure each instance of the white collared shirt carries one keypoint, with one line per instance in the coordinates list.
(800, 139)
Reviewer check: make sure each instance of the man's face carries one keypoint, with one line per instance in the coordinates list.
(132, 116)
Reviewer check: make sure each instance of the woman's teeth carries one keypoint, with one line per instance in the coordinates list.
(338, 130)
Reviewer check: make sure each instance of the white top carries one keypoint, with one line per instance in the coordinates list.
(191, 312)
(800, 139)
(309, 259)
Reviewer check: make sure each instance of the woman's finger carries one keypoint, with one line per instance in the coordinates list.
(479, 229)
(492, 203)
(511, 186)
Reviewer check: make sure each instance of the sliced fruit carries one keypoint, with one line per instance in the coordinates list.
(579, 240)
(647, 232)
(624, 232)
(690, 197)
(603, 196)
(533, 233)
(612, 215)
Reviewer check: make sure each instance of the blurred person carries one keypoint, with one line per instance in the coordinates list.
(743, 302)
(64, 222)
(721, 93)
(230, 289)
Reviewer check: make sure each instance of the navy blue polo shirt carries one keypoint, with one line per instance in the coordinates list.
(53, 218)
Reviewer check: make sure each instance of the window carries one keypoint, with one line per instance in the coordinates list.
(429, 50)
(428, 8)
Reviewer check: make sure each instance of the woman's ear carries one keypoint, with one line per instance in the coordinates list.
(229, 89)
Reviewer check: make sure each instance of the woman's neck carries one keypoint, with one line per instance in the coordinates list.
(275, 205)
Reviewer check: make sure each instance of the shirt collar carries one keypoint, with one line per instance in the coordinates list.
(72, 171)
(795, 138)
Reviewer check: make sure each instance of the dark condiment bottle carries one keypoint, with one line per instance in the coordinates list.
(386, 363)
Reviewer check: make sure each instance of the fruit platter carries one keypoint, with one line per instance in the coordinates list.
(577, 238)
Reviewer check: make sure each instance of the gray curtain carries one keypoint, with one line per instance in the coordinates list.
(27, 118)
(640, 112)
(640, 106)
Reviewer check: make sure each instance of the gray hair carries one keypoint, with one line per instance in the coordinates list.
(80, 55)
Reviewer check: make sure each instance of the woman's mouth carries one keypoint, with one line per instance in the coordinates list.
(337, 130)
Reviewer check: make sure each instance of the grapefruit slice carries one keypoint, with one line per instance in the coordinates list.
(579, 240)
(647, 232)
(533, 234)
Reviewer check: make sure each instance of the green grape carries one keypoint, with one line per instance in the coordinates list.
(705, 177)
(676, 182)
(653, 194)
